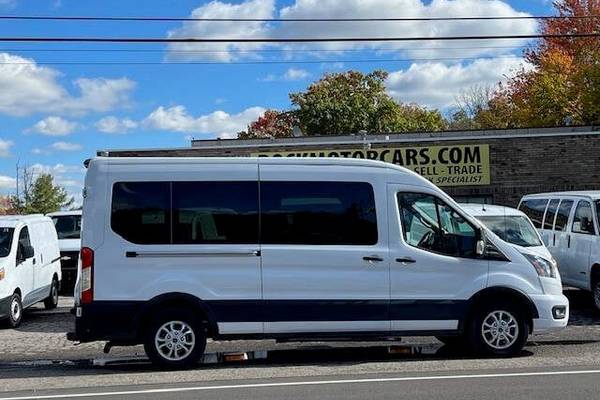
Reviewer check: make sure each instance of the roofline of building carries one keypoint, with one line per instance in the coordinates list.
(360, 139)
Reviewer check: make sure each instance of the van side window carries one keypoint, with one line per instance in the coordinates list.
(318, 213)
(6, 238)
(22, 243)
(430, 224)
(215, 212)
(141, 212)
(534, 209)
(562, 216)
(583, 221)
(550, 214)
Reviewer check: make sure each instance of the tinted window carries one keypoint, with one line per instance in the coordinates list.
(215, 212)
(430, 224)
(68, 226)
(534, 209)
(320, 213)
(141, 212)
(583, 221)
(598, 212)
(513, 229)
(22, 243)
(6, 237)
(562, 216)
(550, 214)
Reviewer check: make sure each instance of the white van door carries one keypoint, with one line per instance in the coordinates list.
(25, 269)
(583, 236)
(324, 250)
(433, 266)
(561, 242)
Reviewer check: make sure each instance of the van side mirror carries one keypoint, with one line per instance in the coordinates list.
(480, 243)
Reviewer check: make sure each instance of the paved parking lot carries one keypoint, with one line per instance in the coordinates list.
(42, 336)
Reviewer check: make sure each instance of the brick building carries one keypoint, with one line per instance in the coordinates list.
(493, 166)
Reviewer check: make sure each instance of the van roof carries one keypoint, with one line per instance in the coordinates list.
(481, 210)
(11, 221)
(588, 194)
(338, 161)
(64, 213)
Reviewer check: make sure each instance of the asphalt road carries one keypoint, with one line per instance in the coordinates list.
(490, 385)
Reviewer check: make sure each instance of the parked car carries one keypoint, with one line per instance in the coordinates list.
(68, 228)
(29, 265)
(512, 226)
(176, 250)
(570, 227)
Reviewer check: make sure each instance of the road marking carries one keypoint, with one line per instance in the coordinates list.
(300, 383)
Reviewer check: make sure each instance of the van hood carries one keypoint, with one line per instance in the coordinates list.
(540, 251)
(69, 244)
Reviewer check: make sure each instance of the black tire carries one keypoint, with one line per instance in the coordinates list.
(51, 302)
(516, 326)
(452, 341)
(596, 293)
(15, 311)
(155, 333)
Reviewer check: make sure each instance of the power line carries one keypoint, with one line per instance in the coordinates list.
(291, 40)
(265, 62)
(192, 19)
(300, 50)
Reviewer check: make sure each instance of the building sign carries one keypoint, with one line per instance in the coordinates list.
(460, 165)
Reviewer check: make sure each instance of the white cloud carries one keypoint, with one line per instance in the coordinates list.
(58, 169)
(27, 88)
(292, 74)
(215, 9)
(54, 126)
(352, 9)
(437, 84)
(66, 146)
(218, 123)
(113, 124)
(5, 146)
(7, 182)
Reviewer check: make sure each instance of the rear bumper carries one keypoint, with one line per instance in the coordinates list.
(546, 321)
(117, 321)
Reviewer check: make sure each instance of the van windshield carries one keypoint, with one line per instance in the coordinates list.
(514, 229)
(67, 226)
(6, 237)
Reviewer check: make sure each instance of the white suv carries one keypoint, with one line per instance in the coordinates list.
(176, 250)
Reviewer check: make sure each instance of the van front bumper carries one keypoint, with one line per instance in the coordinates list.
(4, 307)
(553, 312)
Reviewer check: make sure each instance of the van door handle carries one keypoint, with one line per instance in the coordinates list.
(406, 260)
(372, 259)
(568, 241)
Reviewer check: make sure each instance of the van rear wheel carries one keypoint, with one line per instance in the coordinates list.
(498, 329)
(596, 293)
(175, 340)
(51, 302)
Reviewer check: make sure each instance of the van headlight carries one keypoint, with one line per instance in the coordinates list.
(544, 268)
(1, 273)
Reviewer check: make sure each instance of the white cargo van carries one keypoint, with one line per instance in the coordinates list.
(512, 226)
(68, 228)
(570, 227)
(176, 250)
(29, 265)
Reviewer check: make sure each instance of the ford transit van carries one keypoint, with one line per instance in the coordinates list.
(178, 250)
(29, 265)
(570, 226)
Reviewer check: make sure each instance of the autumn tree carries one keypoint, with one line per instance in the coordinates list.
(349, 102)
(561, 84)
(272, 124)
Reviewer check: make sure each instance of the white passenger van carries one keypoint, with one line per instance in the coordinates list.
(68, 228)
(29, 265)
(176, 250)
(512, 226)
(570, 227)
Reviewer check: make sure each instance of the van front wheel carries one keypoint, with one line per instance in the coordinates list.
(175, 340)
(15, 311)
(499, 330)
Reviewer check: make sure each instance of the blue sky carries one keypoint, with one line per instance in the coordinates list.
(55, 116)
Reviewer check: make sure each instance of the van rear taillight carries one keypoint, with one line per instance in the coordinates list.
(87, 275)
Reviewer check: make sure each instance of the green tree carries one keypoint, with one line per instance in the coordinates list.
(349, 102)
(40, 195)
